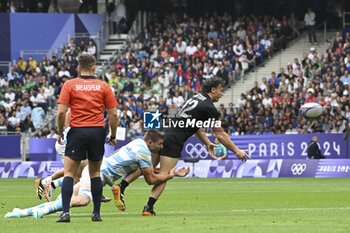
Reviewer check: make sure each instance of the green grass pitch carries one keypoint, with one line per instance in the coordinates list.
(199, 205)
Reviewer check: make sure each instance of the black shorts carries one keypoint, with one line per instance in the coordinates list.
(86, 142)
(172, 146)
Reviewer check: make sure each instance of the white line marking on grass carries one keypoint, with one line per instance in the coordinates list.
(233, 181)
(221, 211)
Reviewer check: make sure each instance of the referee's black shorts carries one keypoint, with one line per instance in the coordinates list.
(86, 142)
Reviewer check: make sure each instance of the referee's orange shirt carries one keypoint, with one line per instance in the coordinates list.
(86, 97)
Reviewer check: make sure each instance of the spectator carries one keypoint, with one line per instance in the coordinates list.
(178, 100)
(313, 150)
(12, 74)
(22, 8)
(187, 93)
(14, 122)
(310, 98)
(310, 22)
(212, 34)
(49, 92)
(25, 110)
(128, 86)
(181, 46)
(162, 107)
(37, 116)
(250, 56)
(169, 100)
(242, 100)
(10, 95)
(92, 48)
(293, 25)
(220, 151)
(275, 79)
(191, 49)
(125, 120)
(63, 72)
(46, 131)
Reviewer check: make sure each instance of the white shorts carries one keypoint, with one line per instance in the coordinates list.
(85, 176)
(60, 149)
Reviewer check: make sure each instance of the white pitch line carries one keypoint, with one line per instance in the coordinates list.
(222, 211)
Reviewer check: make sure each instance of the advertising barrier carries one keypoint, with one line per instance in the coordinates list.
(270, 168)
(260, 168)
(43, 149)
(281, 146)
(10, 147)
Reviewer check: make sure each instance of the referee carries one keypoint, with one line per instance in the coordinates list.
(87, 96)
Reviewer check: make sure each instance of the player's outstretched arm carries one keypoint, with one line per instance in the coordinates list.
(152, 178)
(226, 141)
(182, 171)
(208, 144)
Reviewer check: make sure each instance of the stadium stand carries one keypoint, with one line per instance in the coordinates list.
(273, 106)
(177, 57)
(167, 63)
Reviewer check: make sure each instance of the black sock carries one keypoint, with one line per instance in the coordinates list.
(123, 186)
(151, 202)
(67, 191)
(53, 185)
(96, 191)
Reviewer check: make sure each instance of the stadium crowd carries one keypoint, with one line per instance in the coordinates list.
(168, 62)
(272, 106)
(28, 92)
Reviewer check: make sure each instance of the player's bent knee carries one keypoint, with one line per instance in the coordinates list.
(81, 200)
(84, 197)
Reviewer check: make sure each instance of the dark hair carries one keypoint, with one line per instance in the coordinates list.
(86, 61)
(212, 82)
(154, 135)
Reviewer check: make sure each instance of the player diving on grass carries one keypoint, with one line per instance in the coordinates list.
(136, 155)
(194, 113)
(46, 186)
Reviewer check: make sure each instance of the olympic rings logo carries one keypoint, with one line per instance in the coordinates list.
(196, 150)
(298, 169)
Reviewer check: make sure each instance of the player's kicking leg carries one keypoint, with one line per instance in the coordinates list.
(166, 164)
(48, 185)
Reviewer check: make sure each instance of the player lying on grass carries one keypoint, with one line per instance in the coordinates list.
(137, 154)
(47, 185)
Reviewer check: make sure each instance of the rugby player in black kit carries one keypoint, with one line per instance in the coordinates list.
(188, 122)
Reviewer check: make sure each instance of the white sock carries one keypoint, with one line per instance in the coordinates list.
(47, 180)
(58, 182)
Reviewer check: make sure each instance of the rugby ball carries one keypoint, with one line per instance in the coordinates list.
(311, 110)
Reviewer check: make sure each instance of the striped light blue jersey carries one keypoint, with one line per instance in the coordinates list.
(127, 159)
(65, 133)
(61, 149)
